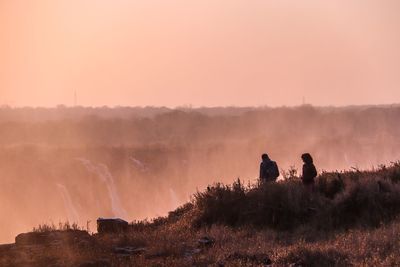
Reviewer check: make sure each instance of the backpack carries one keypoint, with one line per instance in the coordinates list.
(274, 171)
(270, 171)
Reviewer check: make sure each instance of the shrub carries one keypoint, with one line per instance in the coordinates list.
(369, 203)
(340, 200)
(220, 203)
(330, 184)
(277, 205)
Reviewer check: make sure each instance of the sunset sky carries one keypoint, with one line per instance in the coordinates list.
(200, 53)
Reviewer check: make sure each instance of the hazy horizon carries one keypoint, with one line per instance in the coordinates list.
(199, 53)
(189, 106)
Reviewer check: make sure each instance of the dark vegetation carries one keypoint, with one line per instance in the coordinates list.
(340, 200)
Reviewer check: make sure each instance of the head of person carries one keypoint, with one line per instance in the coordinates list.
(265, 157)
(306, 157)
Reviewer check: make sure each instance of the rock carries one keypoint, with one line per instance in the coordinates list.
(52, 237)
(99, 263)
(251, 258)
(129, 250)
(296, 264)
(6, 248)
(267, 261)
(31, 238)
(155, 255)
(111, 225)
(190, 252)
(206, 241)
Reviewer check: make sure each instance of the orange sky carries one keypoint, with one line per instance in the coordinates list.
(203, 53)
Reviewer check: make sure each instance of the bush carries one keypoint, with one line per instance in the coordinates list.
(330, 184)
(340, 200)
(277, 205)
(367, 203)
(220, 203)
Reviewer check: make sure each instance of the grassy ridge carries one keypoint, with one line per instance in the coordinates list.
(341, 200)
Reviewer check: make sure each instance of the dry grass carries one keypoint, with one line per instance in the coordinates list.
(171, 246)
(65, 226)
(341, 200)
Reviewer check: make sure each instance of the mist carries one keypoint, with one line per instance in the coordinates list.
(78, 164)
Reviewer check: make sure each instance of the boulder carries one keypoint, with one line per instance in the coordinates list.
(129, 250)
(98, 263)
(206, 241)
(257, 259)
(51, 237)
(111, 225)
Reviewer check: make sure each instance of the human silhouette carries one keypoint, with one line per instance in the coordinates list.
(269, 171)
(309, 171)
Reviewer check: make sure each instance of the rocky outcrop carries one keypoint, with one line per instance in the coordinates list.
(49, 237)
(111, 225)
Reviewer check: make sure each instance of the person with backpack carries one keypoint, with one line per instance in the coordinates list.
(309, 172)
(269, 171)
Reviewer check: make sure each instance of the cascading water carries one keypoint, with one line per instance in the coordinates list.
(72, 213)
(138, 164)
(103, 173)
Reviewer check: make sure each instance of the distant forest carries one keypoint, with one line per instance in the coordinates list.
(338, 137)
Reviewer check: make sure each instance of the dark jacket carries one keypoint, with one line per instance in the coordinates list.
(309, 173)
(268, 171)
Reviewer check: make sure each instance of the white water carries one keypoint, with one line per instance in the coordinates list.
(103, 173)
(72, 213)
(138, 164)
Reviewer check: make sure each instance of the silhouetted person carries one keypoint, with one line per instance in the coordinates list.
(309, 171)
(269, 171)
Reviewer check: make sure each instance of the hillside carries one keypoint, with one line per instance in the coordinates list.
(351, 220)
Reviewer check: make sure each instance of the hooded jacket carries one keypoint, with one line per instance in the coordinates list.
(268, 170)
(309, 170)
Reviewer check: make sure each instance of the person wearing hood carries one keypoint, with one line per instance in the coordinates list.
(269, 171)
(309, 171)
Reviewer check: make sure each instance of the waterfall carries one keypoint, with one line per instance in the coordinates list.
(69, 206)
(138, 164)
(103, 174)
